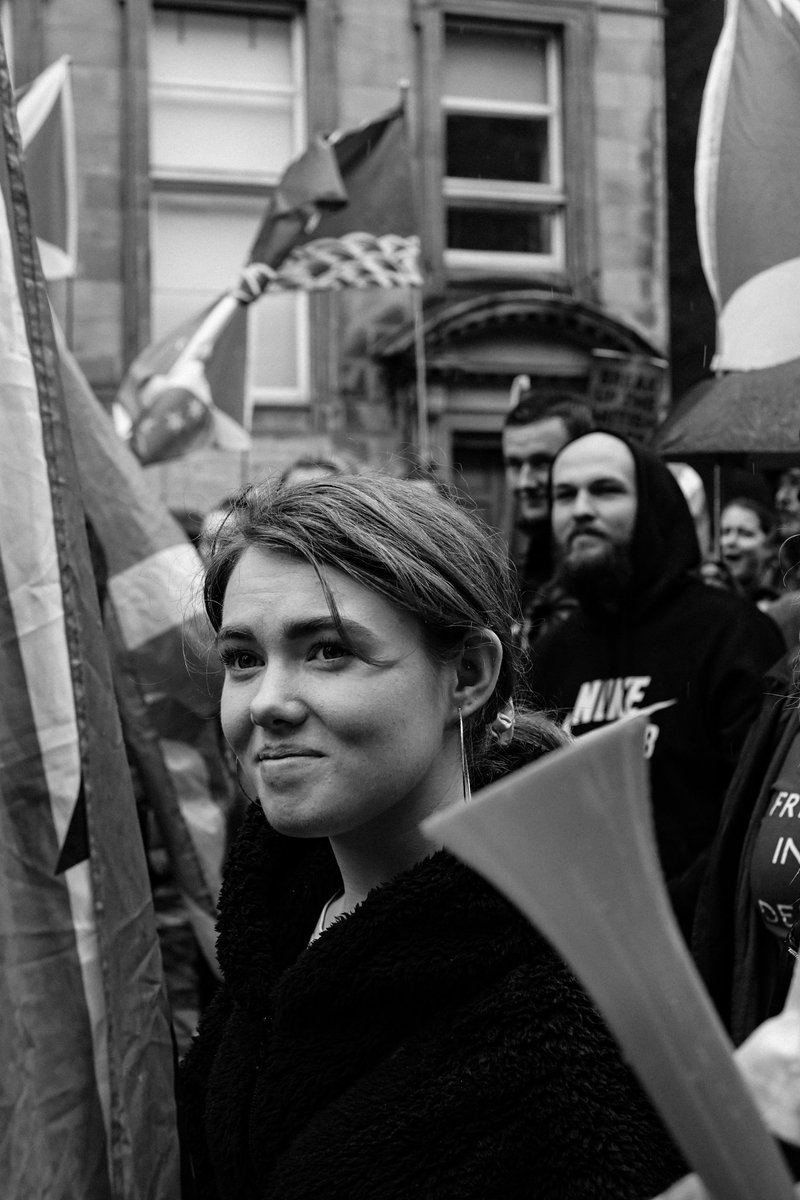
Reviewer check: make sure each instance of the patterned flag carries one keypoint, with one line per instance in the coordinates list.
(341, 216)
(84, 1043)
(747, 181)
(167, 693)
(47, 128)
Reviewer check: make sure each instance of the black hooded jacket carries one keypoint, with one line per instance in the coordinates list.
(673, 640)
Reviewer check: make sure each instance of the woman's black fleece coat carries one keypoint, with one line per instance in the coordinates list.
(430, 1044)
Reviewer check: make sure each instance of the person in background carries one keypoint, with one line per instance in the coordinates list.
(315, 466)
(691, 484)
(538, 424)
(787, 504)
(750, 899)
(300, 470)
(786, 608)
(748, 564)
(649, 634)
(747, 548)
(388, 1025)
(211, 524)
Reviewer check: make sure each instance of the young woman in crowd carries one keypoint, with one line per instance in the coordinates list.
(748, 550)
(388, 1025)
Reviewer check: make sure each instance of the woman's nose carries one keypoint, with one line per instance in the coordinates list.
(276, 702)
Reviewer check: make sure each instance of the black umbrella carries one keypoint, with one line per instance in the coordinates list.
(745, 413)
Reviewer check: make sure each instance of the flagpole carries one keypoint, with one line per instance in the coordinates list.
(69, 311)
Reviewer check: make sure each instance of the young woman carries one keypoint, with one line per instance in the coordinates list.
(748, 550)
(388, 1025)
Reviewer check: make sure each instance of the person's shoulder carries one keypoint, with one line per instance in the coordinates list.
(557, 632)
(717, 600)
(727, 622)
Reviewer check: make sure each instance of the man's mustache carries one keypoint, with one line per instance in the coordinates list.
(583, 530)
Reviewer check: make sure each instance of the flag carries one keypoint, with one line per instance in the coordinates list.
(569, 839)
(341, 216)
(84, 1042)
(167, 690)
(47, 127)
(747, 184)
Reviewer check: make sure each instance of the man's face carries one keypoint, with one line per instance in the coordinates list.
(787, 503)
(528, 451)
(594, 501)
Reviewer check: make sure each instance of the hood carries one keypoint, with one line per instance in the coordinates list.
(664, 547)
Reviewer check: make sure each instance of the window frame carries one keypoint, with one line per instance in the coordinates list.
(548, 198)
(571, 26)
(165, 181)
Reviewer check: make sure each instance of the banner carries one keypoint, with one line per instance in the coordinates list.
(628, 393)
(166, 680)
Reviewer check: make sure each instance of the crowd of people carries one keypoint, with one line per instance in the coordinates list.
(387, 1024)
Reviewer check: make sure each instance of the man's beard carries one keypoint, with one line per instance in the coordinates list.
(598, 579)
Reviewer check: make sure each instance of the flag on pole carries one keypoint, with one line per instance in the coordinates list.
(47, 127)
(747, 184)
(341, 216)
(160, 644)
(570, 840)
(84, 1043)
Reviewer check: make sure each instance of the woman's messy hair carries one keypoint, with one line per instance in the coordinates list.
(424, 553)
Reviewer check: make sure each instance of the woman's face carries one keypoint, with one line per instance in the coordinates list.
(743, 543)
(327, 742)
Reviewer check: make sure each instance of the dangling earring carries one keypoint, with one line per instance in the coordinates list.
(465, 784)
(242, 788)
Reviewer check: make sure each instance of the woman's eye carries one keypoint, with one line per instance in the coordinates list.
(239, 660)
(329, 651)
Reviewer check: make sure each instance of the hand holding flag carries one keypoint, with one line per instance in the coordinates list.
(341, 216)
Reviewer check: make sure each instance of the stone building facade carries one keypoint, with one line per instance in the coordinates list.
(538, 162)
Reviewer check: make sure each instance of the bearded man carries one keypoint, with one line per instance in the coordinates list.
(648, 633)
(538, 424)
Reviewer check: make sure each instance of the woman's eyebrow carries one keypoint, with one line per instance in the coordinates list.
(301, 628)
(306, 627)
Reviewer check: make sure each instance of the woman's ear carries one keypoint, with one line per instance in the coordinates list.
(477, 670)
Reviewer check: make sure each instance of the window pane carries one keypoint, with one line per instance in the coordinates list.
(497, 148)
(497, 231)
(272, 341)
(494, 65)
(210, 49)
(226, 105)
(221, 133)
(200, 241)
